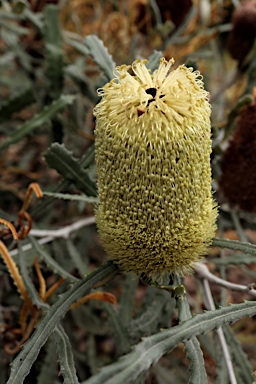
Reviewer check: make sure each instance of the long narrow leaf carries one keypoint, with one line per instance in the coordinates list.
(120, 332)
(100, 55)
(16, 103)
(34, 296)
(23, 362)
(235, 245)
(54, 54)
(149, 351)
(153, 60)
(38, 121)
(234, 260)
(126, 302)
(50, 261)
(67, 196)
(238, 356)
(66, 359)
(192, 347)
(59, 158)
(48, 367)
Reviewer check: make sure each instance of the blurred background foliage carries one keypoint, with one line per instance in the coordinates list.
(54, 55)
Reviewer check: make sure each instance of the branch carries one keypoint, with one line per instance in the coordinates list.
(220, 333)
(203, 272)
(48, 235)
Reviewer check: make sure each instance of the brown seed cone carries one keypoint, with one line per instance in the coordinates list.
(238, 180)
(243, 33)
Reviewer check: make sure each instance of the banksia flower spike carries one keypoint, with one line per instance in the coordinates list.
(156, 213)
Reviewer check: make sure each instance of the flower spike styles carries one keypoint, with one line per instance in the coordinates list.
(156, 212)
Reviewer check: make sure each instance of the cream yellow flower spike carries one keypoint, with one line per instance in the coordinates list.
(156, 212)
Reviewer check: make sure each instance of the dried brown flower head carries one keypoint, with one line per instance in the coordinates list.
(243, 33)
(238, 180)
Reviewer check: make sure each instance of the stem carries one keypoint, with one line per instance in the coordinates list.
(220, 334)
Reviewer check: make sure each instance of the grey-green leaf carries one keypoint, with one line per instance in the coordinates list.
(38, 121)
(153, 347)
(67, 196)
(192, 347)
(234, 260)
(54, 55)
(153, 60)
(33, 294)
(100, 55)
(65, 356)
(23, 362)
(16, 103)
(50, 261)
(239, 357)
(59, 158)
(235, 245)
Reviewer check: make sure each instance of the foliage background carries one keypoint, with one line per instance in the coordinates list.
(54, 55)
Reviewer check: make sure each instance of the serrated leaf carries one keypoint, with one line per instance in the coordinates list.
(120, 333)
(100, 55)
(38, 121)
(54, 54)
(78, 259)
(33, 294)
(14, 28)
(76, 73)
(192, 347)
(50, 261)
(239, 357)
(149, 351)
(48, 367)
(78, 45)
(92, 354)
(235, 245)
(16, 103)
(23, 362)
(34, 18)
(59, 158)
(65, 356)
(86, 160)
(126, 302)
(234, 260)
(67, 196)
(89, 157)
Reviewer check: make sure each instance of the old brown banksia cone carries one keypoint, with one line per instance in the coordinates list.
(156, 212)
(238, 179)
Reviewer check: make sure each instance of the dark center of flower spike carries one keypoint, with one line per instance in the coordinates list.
(152, 92)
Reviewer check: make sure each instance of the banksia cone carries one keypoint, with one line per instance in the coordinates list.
(156, 213)
(238, 179)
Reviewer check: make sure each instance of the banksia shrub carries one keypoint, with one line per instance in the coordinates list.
(243, 33)
(156, 211)
(238, 179)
